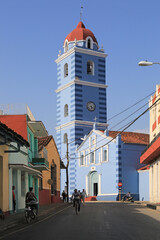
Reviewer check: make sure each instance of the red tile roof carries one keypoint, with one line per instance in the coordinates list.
(131, 137)
(15, 136)
(80, 33)
(43, 141)
(17, 123)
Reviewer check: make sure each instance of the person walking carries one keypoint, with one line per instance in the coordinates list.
(64, 196)
(13, 199)
(83, 195)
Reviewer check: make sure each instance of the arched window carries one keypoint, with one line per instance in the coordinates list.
(65, 138)
(90, 68)
(65, 110)
(89, 42)
(66, 46)
(65, 69)
(54, 179)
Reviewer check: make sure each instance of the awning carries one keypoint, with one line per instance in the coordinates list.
(152, 152)
(26, 168)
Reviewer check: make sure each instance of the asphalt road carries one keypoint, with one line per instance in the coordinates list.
(96, 221)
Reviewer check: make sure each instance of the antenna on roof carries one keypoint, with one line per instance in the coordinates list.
(81, 13)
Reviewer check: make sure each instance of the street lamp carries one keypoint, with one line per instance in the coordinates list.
(146, 63)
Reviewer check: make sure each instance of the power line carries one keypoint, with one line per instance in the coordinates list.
(132, 122)
(123, 119)
(130, 115)
(130, 106)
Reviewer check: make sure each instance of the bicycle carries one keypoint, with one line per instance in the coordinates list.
(31, 211)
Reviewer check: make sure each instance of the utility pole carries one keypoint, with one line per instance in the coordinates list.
(67, 178)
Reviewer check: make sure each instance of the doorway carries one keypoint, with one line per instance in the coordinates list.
(93, 181)
(95, 189)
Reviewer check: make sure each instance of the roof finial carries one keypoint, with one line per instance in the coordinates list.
(81, 13)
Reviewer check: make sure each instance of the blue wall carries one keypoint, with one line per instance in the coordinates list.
(123, 162)
(76, 96)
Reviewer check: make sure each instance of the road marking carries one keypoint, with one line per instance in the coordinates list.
(24, 228)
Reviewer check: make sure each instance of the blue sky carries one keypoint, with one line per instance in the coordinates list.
(33, 31)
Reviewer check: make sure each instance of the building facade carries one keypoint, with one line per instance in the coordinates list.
(49, 184)
(24, 166)
(11, 144)
(81, 93)
(106, 158)
(151, 155)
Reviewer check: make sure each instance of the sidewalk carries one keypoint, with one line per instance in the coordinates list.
(17, 220)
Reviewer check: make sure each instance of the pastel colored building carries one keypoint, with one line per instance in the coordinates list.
(81, 94)
(25, 165)
(144, 183)
(105, 158)
(11, 144)
(49, 184)
(151, 155)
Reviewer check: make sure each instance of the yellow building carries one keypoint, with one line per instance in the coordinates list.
(4, 179)
(49, 185)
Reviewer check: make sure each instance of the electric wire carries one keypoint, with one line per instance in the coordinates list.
(126, 127)
(131, 106)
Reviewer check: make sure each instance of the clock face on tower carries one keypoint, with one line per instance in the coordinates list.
(91, 106)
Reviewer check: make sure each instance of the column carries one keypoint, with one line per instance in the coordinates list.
(151, 183)
(10, 190)
(87, 185)
(36, 187)
(99, 187)
(159, 180)
(26, 182)
(18, 200)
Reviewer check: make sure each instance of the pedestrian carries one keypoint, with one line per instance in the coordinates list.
(64, 196)
(83, 195)
(13, 199)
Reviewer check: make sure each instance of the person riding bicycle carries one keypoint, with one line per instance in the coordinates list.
(31, 199)
(76, 197)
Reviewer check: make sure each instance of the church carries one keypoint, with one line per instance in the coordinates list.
(82, 101)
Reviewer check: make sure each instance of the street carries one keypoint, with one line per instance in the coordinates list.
(95, 221)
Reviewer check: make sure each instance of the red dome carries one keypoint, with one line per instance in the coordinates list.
(80, 33)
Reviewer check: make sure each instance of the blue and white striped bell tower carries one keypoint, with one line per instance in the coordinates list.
(81, 94)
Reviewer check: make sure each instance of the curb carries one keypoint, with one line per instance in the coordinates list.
(20, 221)
(154, 206)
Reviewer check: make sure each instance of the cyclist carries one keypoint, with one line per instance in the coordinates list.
(76, 197)
(31, 199)
(30, 196)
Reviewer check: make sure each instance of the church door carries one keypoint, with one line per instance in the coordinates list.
(93, 183)
(95, 189)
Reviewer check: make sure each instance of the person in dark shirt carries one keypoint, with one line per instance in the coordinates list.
(30, 196)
